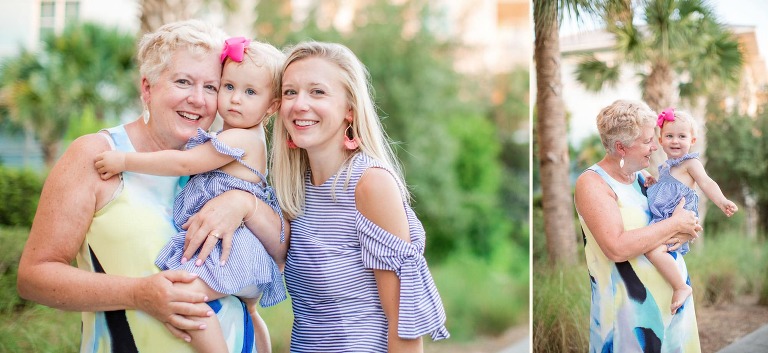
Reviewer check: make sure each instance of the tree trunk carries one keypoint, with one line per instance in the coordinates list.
(50, 153)
(751, 212)
(659, 93)
(557, 197)
(155, 13)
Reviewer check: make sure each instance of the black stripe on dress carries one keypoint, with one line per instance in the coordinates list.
(119, 330)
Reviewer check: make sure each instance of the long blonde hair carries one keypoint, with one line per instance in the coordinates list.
(289, 166)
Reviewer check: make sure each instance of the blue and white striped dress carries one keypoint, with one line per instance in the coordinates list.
(249, 270)
(329, 273)
(664, 196)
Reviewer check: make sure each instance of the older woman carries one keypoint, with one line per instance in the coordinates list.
(630, 299)
(115, 228)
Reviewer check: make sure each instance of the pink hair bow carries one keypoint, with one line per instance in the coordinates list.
(666, 115)
(234, 48)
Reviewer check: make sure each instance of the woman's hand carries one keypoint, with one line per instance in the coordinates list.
(217, 220)
(687, 224)
(174, 307)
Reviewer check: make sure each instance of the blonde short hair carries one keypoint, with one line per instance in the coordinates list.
(156, 48)
(289, 166)
(622, 121)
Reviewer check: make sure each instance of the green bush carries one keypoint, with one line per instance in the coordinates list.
(19, 192)
(13, 240)
(482, 298)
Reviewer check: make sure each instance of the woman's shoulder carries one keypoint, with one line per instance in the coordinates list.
(590, 176)
(90, 144)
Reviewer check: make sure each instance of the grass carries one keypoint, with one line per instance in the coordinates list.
(721, 267)
(482, 297)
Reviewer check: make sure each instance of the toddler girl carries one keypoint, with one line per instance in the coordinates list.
(677, 178)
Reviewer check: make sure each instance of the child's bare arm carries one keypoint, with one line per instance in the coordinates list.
(710, 187)
(200, 159)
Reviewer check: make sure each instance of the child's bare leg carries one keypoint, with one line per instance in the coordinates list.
(261, 332)
(211, 339)
(665, 264)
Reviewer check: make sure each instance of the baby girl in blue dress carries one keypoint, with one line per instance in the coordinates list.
(677, 178)
(234, 158)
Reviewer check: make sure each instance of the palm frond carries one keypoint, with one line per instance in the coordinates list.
(595, 74)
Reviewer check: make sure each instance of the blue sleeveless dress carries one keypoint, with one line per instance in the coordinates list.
(250, 270)
(329, 272)
(629, 310)
(664, 196)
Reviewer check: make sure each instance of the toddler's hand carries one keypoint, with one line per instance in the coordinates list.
(729, 208)
(649, 180)
(110, 163)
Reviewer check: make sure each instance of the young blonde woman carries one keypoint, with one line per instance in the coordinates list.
(355, 270)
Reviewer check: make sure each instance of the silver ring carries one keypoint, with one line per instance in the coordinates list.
(215, 235)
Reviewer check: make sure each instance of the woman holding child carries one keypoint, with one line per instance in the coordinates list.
(115, 228)
(630, 310)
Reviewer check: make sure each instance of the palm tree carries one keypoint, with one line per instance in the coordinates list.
(87, 69)
(684, 52)
(557, 202)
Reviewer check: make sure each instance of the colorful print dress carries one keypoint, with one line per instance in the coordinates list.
(664, 196)
(329, 273)
(630, 300)
(124, 238)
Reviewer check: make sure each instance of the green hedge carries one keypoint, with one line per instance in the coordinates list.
(19, 194)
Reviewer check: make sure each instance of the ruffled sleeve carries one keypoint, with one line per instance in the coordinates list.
(203, 137)
(677, 161)
(421, 309)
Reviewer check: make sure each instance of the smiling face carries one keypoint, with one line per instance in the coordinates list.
(676, 138)
(246, 95)
(184, 97)
(315, 107)
(638, 156)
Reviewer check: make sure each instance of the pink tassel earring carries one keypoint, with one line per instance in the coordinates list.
(291, 144)
(350, 141)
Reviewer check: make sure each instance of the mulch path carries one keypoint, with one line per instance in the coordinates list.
(722, 324)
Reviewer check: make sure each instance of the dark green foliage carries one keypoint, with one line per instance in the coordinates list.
(19, 192)
(13, 240)
(737, 159)
(88, 67)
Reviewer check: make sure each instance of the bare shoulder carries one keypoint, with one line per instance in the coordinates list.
(85, 148)
(241, 138)
(590, 187)
(376, 185)
(379, 199)
(692, 163)
(588, 180)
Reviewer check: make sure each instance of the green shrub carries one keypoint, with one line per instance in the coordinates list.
(19, 192)
(13, 240)
(482, 299)
(722, 267)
